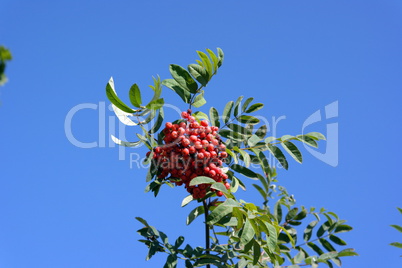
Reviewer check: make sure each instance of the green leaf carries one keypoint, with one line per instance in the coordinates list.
(199, 73)
(316, 248)
(270, 139)
(221, 211)
(158, 122)
(157, 88)
(220, 57)
(261, 191)
(232, 154)
(135, 96)
(155, 104)
(187, 200)
(337, 240)
(112, 96)
(256, 252)
(291, 214)
(264, 181)
(278, 212)
(246, 103)
(302, 214)
(214, 116)
(323, 228)
(244, 155)
(255, 107)
(219, 186)
(272, 240)
(277, 153)
(227, 111)
(206, 62)
(343, 228)
(326, 244)
(200, 116)
(253, 140)
(247, 119)
(299, 257)
(5, 54)
(142, 221)
(396, 244)
(151, 116)
(171, 261)
(309, 231)
(237, 106)
(184, 94)
(347, 252)
(179, 242)
(231, 135)
(125, 143)
(183, 78)
(247, 233)
(263, 161)
(397, 227)
(261, 131)
(243, 170)
(307, 140)
(327, 256)
(292, 150)
(214, 58)
(199, 100)
(194, 214)
(201, 180)
(315, 135)
(239, 129)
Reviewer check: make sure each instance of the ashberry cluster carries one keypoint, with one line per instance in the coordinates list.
(191, 149)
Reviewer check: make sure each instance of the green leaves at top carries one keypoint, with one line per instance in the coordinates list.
(112, 96)
(135, 96)
(184, 94)
(206, 63)
(214, 59)
(183, 78)
(199, 73)
(220, 56)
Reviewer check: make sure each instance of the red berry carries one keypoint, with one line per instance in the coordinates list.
(185, 142)
(204, 123)
(197, 145)
(185, 151)
(192, 150)
(219, 193)
(184, 114)
(169, 125)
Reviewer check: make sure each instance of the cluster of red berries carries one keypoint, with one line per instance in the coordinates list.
(191, 149)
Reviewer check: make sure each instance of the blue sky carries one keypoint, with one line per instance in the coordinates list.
(64, 206)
